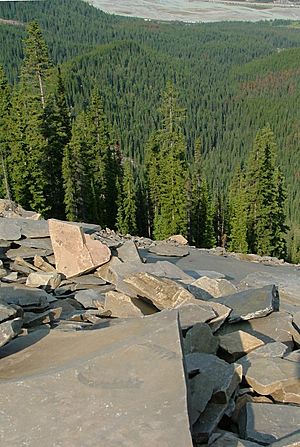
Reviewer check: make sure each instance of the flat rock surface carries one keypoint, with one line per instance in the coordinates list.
(251, 303)
(9, 231)
(236, 344)
(190, 314)
(98, 386)
(265, 423)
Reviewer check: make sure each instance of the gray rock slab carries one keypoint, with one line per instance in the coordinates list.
(43, 279)
(25, 297)
(292, 440)
(265, 423)
(170, 250)
(190, 314)
(251, 303)
(230, 440)
(97, 383)
(211, 274)
(275, 327)
(27, 252)
(9, 329)
(90, 299)
(6, 311)
(9, 231)
(29, 227)
(88, 280)
(44, 243)
(199, 293)
(200, 339)
(128, 252)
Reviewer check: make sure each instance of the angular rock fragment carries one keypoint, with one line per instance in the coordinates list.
(274, 327)
(199, 293)
(216, 287)
(121, 305)
(41, 243)
(75, 252)
(178, 239)
(107, 271)
(90, 299)
(128, 252)
(11, 277)
(9, 329)
(27, 252)
(200, 339)
(111, 375)
(9, 231)
(165, 249)
(267, 375)
(230, 440)
(236, 344)
(6, 311)
(251, 303)
(292, 440)
(38, 279)
(32, 319)
(212, 384)
(27, 298)
(43, 265)
(265, 423)
(163, 293)
(190, 314)
(275, 349)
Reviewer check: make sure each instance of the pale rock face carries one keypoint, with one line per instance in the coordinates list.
(178, 239)
(215, 287)
(75, 252)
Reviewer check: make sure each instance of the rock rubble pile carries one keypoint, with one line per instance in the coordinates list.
(99, 347)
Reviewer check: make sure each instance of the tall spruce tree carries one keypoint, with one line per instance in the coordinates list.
(201, 210)
(167, 170)
(127, 212)
(238, 211)
(57, 131)
(29, 145)
(5, 113)
(265, 197)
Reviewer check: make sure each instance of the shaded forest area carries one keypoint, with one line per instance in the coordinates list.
(232, 79)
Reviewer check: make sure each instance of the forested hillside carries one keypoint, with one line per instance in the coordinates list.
(232, 79)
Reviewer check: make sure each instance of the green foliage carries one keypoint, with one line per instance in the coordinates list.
(238, 213)
(5, 110)
(127, 212)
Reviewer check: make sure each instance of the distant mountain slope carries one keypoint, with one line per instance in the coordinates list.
(232, 78)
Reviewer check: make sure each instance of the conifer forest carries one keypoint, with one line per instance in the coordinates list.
(153, 128)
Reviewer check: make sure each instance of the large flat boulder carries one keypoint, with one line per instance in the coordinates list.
(265, 423)
(251, 303)
(168, 249)
(119, 385)
(75, 252)
(128, 252)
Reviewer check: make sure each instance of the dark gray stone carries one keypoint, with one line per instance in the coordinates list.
(9, 231)
(27, 252)
(43, 243)
(199, 293)
(6, 311)
(275, 349)
(230, 440)
(265, 423)
(25, 297)
(251, 303)
(190, 314)
(9, 329)
(90, 299)
(200, 339)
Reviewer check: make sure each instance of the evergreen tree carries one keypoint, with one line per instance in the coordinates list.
(5, 111)
(57, 131)
(29, 146)
(265, 196)
(167, 171)
(126, 220)
(238, 213)
(201, 214)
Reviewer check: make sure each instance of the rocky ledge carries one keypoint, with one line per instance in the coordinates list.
(99, 347)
